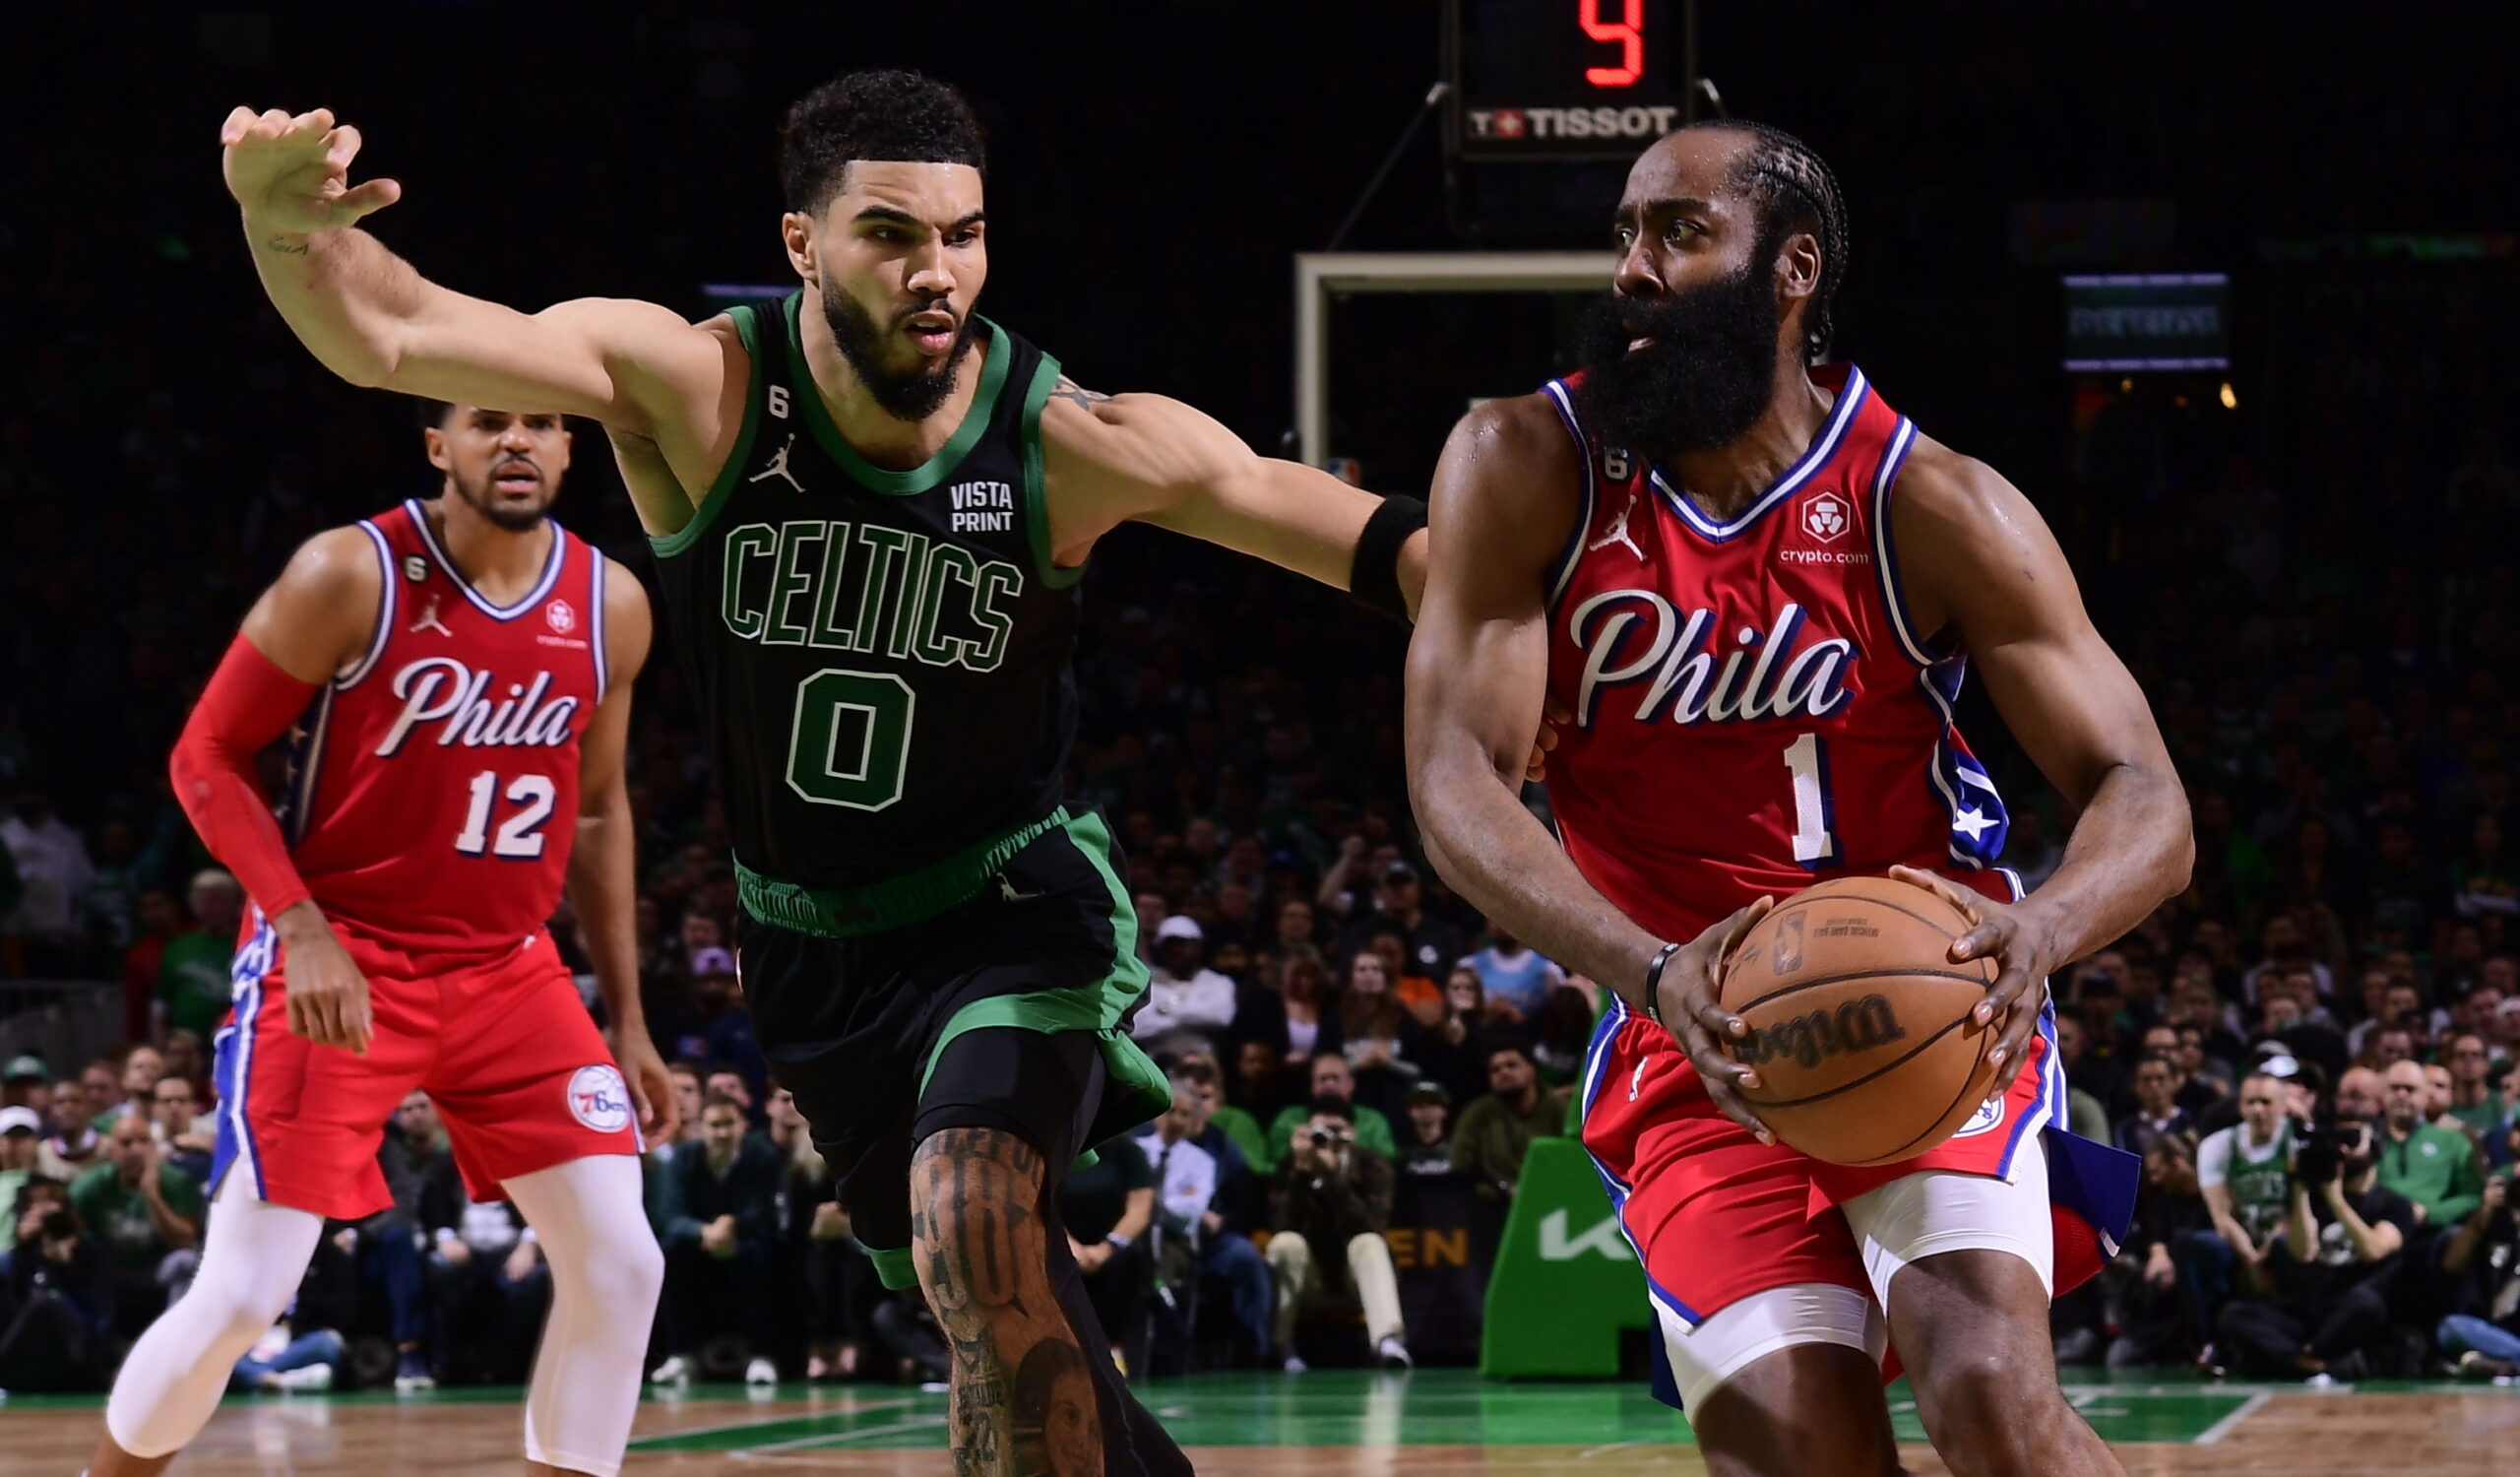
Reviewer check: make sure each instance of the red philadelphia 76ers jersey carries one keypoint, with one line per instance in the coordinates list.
(1753, 710)
(433, 785)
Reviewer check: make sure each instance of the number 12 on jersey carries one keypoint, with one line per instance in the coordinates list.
(1815, 838)
(522, 836)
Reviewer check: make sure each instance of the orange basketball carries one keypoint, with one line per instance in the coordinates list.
(1860, 1021)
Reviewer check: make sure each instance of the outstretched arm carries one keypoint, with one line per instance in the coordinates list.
(1982, 569)
(1504, 504)
(375, 321)
(1111, 459)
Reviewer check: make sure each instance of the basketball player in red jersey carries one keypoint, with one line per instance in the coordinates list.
(1753, 586)
(455, 676)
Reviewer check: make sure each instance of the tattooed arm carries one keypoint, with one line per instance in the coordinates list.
(1023, 1403)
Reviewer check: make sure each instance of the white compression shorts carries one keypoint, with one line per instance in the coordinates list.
(1907, 1220)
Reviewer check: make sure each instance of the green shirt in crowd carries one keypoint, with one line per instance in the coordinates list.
(117, 1216)
(193, 982)
(2436, 1168)
(1245, 1132)
(1492, 1137)
(10, 1182)
(1373, 1131)
(2485, 1120)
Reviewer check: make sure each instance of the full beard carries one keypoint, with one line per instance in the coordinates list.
(1705, 379)
(913, 396)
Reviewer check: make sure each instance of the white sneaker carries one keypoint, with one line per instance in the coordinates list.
(761, 1371)
(675, 1371)
(2321, 1380)
(310, 1379)
(1393, 1353)
(1295, 1364)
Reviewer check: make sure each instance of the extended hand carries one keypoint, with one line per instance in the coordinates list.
(2024, 952)
(293, 173)
(328, 1001)
(651, 1086)
(1691, 981)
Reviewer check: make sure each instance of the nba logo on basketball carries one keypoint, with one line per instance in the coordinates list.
(560, 617)
(1824, 517)
(600, 1098)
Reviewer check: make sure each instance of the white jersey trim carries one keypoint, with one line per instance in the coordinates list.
(595, 620)
(1574, 554)
(542, 591)
(351, 675)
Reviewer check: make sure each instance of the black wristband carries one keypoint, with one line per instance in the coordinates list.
(1373, 578)
(1653, 983)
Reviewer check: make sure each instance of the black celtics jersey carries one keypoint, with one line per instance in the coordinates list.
(881, 659)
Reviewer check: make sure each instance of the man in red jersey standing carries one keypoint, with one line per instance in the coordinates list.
(1753, 588)
(454, 678)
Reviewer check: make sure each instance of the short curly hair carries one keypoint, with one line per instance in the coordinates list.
(905, 116)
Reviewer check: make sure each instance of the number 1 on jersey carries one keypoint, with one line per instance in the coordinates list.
(1815, 841)
(522, 836)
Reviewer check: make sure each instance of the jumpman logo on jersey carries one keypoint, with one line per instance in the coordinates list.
(1619, 533)
(428, 620)
(779, 466)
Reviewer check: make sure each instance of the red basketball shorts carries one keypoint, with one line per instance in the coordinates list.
(503, 1047)
(1717, 1216)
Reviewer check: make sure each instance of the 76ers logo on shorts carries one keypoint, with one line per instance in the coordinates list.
(1988, 1117)
(600, 1098)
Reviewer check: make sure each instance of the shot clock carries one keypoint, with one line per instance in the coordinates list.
(1563, 78)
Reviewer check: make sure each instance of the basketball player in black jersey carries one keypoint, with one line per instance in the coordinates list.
(871, 508)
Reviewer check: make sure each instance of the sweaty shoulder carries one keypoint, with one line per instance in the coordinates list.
(320, 615)
(1509, 485)
(1963, 535)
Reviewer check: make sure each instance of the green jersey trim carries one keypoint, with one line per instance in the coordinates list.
(894, 1267)
(748, 324)
(1001, 357)
(1097, 1008)
(895, 902)
(1036, 511)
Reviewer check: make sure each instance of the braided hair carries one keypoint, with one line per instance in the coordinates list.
(1795, 192)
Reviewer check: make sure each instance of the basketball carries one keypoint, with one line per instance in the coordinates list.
(1859, 1022)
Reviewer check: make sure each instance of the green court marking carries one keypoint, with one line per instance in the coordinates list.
(1344, 1408)
(1444, 1408)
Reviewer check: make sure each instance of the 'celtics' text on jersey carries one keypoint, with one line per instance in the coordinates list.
(881, 658)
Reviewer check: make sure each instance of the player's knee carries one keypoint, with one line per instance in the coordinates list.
(626, 1277)
(1367, 1249)
(976, 1234)
(1288, 1252)
(1985, 1415)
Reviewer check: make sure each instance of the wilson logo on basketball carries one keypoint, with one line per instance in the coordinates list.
(1806, 1039)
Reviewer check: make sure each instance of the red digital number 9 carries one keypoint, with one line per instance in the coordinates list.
(1629, 33)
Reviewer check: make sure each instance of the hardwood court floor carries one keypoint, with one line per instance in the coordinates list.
(1435, 1423)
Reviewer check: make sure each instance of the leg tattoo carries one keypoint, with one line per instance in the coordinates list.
(1023, 1403)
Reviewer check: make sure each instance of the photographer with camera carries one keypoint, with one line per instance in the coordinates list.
(2484, 1254)
(57, 1297)
(1334, 1191)
(2343, 1234)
